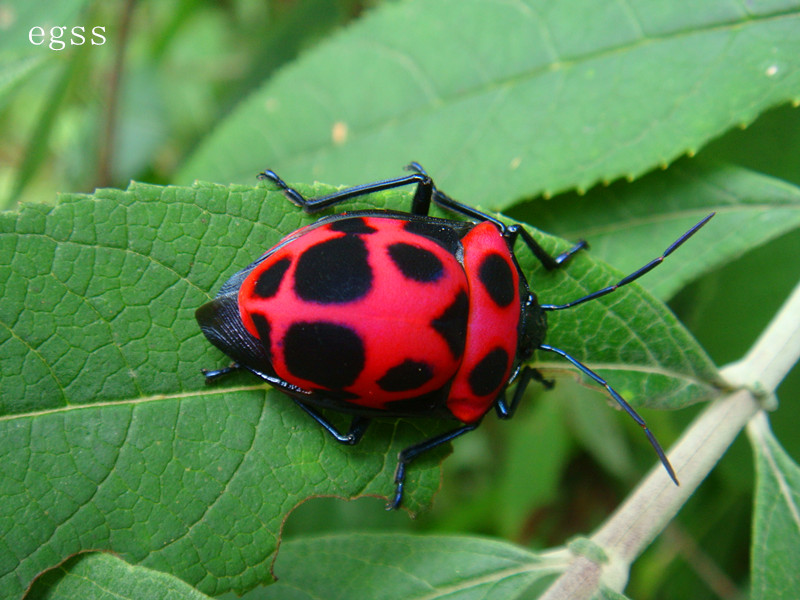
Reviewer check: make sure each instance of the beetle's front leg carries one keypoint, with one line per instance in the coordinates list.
(420, 204)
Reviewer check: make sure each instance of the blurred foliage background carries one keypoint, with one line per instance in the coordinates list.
(138, 106)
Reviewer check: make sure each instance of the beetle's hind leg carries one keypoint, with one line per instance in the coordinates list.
(412, 452)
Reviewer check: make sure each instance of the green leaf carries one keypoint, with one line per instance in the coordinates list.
(776, 517)
(109, 439)
(531, 97)
(627, 224)
(101, 576)
(404, 566)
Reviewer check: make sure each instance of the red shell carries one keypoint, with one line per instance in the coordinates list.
(368, 309)
(393, 318)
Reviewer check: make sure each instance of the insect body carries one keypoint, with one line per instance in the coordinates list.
(392, 314)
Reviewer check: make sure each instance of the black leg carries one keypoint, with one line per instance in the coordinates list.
(354, 433)
(621, 401)
(549, 263)
(505, 410)
(212, 375)
(510, 232)
(420, 204)
(636, 274)
(537, 376)
(412, 452)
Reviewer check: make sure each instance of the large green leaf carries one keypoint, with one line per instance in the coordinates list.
(522, 92)
(393, 566)
(110, 440)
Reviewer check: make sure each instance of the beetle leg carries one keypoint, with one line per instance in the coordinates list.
(412, 452)
(420, 204)
(212, 375)
(354, 433)
(537, 376)
(510, 232)
(464, 210)
(548, 262)
(505, 410)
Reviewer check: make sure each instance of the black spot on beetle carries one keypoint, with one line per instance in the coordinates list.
(264, 330)
(497, 279)
(327, 354)
(335, 271)
(416, 263)
(270, 280)
(488, 374)
(452, 324)
(352, 225)
(408, 375)
(445, 236)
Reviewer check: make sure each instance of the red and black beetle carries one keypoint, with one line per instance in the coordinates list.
(390, 314)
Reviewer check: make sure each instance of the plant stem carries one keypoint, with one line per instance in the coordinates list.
(656, 500)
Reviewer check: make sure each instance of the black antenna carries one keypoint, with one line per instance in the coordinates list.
(594, 376)
(636, 274)
(625, 406)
